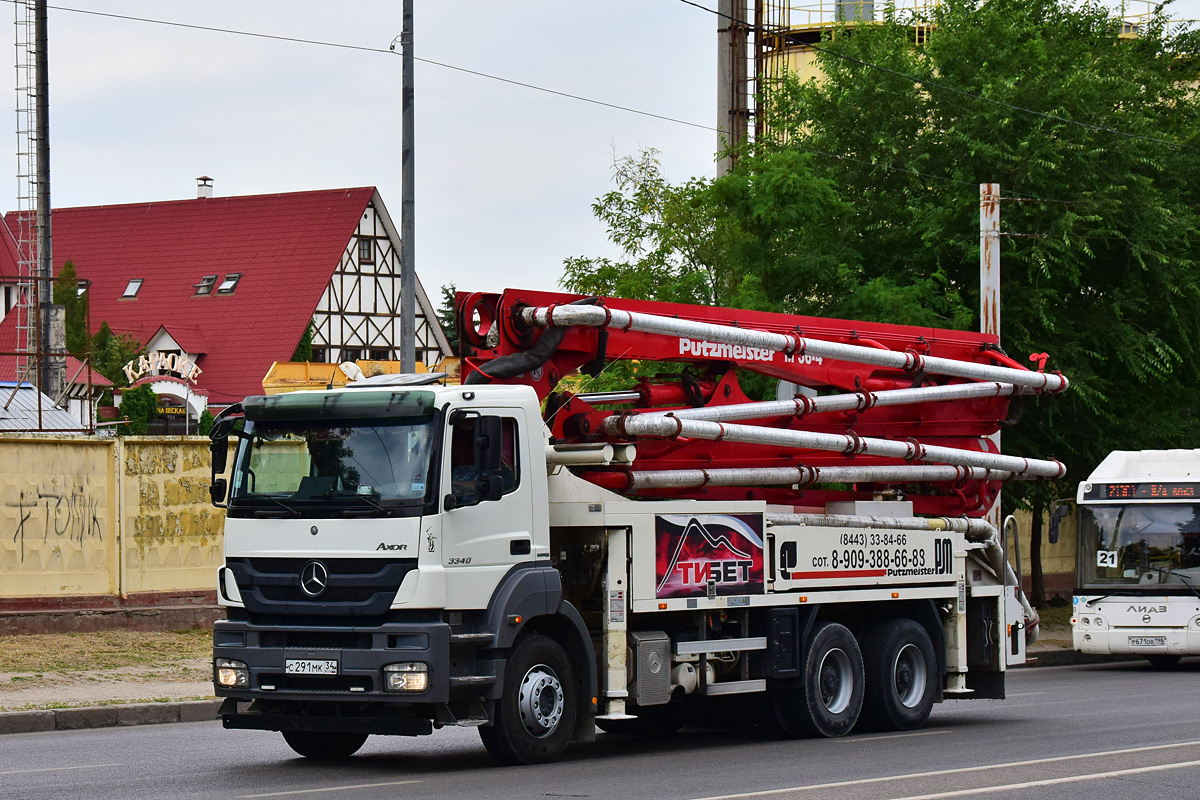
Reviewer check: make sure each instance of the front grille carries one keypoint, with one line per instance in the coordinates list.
(315, 640)
(356, 587)
(311, 683)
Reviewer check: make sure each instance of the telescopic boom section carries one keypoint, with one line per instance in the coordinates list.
(871, 406)
(789, 344)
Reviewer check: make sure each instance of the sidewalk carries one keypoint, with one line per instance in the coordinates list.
(142, 696)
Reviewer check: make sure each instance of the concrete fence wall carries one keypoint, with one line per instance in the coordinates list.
(85, 517)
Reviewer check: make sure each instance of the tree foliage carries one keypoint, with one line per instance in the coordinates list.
(862, 202)
(74, 303)
(446, 317)
(140, 405)
(111, 352)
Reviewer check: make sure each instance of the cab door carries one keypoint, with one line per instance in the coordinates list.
(487, 502)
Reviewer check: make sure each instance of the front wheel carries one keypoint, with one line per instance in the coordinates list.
(324, 746)
(535, 715)
(901, 673)
(831, 697)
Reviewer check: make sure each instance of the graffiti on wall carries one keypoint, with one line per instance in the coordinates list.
(64, 512)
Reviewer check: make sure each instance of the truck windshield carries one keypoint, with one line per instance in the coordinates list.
(1139, 546)
(379, 465)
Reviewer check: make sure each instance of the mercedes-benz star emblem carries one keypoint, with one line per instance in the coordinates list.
(314, 578)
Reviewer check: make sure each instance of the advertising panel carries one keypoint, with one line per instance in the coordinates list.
(693, 551)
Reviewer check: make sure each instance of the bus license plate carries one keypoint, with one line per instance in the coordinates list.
(1147, 641)
(306, 666)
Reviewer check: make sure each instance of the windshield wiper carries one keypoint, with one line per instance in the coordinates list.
(348, 496)
(1181, 577)
(294, 512)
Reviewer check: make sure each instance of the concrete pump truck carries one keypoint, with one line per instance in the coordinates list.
(510, 555)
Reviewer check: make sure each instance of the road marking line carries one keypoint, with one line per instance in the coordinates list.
(57, 769)
(861, 739)
(1025, 694)
(327, 789)
(955, 771)
(1051, 781)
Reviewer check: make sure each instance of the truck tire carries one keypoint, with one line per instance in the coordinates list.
(1163, 662)
(901, 673)
(830, 698)
(324, 746)
(535, 714)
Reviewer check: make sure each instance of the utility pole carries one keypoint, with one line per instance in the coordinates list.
(408, 272)
(45, 271)
(732, 94)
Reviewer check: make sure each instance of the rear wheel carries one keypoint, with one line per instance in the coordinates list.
(1163, 662)
(830, 698)
(324, 746)
(535, 715)
(901, 675)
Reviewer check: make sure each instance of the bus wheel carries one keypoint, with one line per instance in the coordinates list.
(324, 746)
(535, 715)
(1163, 662)
(901, 675)
(831, 696)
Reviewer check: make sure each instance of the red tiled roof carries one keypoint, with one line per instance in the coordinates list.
(286, 246)
(9, 255)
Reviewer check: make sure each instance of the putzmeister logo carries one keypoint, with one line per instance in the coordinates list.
(314, 577)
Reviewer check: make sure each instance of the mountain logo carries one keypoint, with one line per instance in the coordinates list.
(694, 552)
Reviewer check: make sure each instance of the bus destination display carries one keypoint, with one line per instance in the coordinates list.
(1144, 491)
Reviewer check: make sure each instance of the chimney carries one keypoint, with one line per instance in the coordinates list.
(204, 187)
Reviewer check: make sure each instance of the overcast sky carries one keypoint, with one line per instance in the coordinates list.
(505, 175)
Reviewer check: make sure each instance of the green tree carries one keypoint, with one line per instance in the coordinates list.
(304, 347)
(1099, 222)
(447, 318)
(206, 422)
(111, 352)
(140, 405)
(74, 302)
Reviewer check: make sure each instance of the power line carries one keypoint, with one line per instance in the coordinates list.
(361, 48)
(962, 92)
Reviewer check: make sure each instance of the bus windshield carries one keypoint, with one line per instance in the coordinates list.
(366, 464)
(1152, 546)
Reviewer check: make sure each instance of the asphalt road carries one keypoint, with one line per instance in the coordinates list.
(1097, 732)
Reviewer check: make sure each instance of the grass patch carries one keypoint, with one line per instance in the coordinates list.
(1056, 617)
(76, 652)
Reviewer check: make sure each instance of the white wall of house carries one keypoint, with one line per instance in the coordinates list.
(358, 316)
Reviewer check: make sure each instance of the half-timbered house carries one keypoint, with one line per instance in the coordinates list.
(219, 288)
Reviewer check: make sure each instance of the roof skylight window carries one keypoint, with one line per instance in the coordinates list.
(206, 284)
(131, 289)
(230, 283)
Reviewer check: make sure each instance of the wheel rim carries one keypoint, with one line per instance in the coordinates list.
(911, 674)
(540, 701)
(836, 681)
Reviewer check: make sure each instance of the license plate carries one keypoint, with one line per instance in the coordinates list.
(1147, 641)
(307, 666)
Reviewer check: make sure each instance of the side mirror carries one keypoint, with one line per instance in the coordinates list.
(220, 455)
(1057, 515)
(218, 490)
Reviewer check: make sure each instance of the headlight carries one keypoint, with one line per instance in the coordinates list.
(232, 674)
(409, 677)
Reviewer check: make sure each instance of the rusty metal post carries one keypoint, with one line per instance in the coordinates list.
(989, 287)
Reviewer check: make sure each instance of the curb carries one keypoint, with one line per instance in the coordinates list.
(71, 719)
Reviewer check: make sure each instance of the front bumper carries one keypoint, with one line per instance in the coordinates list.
(1174, 641)
(361, 654)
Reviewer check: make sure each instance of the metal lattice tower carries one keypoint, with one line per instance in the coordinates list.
(27, 189)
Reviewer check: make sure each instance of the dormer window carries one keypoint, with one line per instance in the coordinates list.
(230, 283)
(131, 289)
(205, 286)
